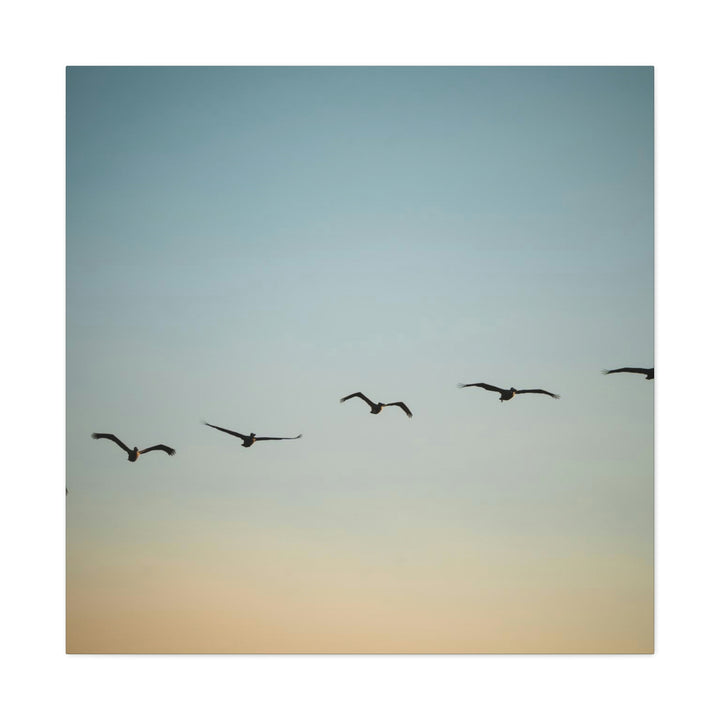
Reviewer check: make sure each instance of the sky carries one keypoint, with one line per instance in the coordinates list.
(245, 246)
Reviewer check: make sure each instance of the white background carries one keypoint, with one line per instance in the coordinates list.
(39, 40)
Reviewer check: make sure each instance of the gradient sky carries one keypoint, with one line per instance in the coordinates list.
(247, 245)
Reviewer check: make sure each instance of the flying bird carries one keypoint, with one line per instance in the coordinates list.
(648, 372)
(133, 454)
(248, 440)
(506, 394)
(375, 408)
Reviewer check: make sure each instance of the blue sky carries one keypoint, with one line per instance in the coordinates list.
(247, 245)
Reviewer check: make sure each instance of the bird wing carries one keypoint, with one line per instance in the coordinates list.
(482, 385)
(109, 436)
(164, 448)
(273, 438)
(542, 392)
(401, 405)
(360, 395)
(229, 432)
(643, 371)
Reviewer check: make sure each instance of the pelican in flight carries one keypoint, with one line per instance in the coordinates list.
(248, 440)
(506, 394)
(649, 373)
(133, 454)
(375, 408)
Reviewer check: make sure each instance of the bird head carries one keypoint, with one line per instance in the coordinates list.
(513, 390)
(252, 434)
(135, 449)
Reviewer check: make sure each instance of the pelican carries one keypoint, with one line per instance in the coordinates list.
(506, 394)
(648, 372)
(375, 408)
(133, 454)
(248, 440)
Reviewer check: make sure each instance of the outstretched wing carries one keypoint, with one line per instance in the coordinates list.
(164, 448)
(270, 438)
(229, 432)
(643, 371)
(401, 405)
(109, 436)
(360, 395)
(485, 386)
(542, 392)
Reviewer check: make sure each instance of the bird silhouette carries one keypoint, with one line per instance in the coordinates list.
(133, 454)
(649, 373)
(252, 438)
(506, 394)
(375, 408)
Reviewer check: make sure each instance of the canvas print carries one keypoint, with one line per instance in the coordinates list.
(359, 360)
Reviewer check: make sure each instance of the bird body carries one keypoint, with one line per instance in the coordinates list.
(133, 454)
(248, 441)
(252, 438)
(508, 394)
(376, 407)
(648, 372)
